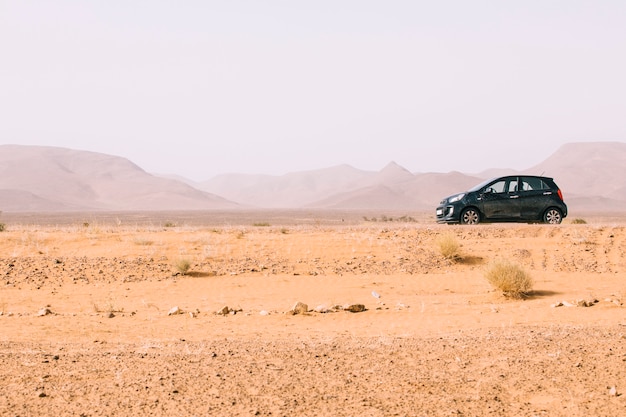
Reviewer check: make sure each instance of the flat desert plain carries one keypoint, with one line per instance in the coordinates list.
(98, 318)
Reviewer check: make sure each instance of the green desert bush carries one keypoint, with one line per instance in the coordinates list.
(449, 246)
(510, 278)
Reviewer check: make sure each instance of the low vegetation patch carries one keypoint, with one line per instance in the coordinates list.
(183, 266)
(262, 224)
(2, 227)
(579, 221)
(449, 246)
(510, 278)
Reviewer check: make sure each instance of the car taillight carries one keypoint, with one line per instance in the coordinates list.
(560, 194)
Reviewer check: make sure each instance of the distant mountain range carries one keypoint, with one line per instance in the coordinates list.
(592, 176)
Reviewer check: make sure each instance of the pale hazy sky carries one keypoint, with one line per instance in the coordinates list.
(199, 88)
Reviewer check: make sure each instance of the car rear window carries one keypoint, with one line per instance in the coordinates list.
(530, 183)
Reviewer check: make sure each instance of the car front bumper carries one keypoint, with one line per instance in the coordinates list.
(447, 214)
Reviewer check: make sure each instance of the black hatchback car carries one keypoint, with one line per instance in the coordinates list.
(523, 198)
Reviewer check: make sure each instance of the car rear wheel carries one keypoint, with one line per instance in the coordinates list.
(470, 216)
(552, 216)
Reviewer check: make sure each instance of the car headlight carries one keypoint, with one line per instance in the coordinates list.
(456, 198)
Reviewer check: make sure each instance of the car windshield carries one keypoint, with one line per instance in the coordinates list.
(481, 185)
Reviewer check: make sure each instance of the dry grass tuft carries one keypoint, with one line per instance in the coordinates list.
(510, 278)
(183, 266)
(449, 246)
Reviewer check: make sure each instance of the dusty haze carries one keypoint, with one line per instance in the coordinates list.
(44, 179)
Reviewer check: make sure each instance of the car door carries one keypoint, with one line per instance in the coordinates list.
(500, 199)
(534, 197)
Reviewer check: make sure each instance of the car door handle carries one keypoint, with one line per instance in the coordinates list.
(547, 193)
(514, 196)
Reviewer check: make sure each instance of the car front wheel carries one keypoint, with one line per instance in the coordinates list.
(552, 216)
(470, 216)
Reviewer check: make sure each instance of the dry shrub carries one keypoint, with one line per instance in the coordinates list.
(183, 265)
(449, 246)
(509, 278)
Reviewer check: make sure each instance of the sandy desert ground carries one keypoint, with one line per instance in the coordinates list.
(87, 330)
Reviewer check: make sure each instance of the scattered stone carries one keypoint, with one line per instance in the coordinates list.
(174, 310)
(227, 310)
(567, 304)
(322, 309)
(559, 304)
(586, 303)
(111, 315)
(44, 312)
(300, 308)
(41, 394)
(375, 294)
(264, 313)
(223, 311)
(613, 391)
(355, 308)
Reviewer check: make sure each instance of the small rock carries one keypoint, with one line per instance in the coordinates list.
(224, 311)
(41, 394)
(111, 315)
(586, 303)
(355, 308)
(375, 294)
(44, 312)
(174, 310)
(613, 391)
(567, 304)
(559, 304)
(322, 309)
(300, 308)
(264, 313)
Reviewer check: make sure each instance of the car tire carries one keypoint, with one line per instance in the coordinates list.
(552, 216)
(470, 216)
